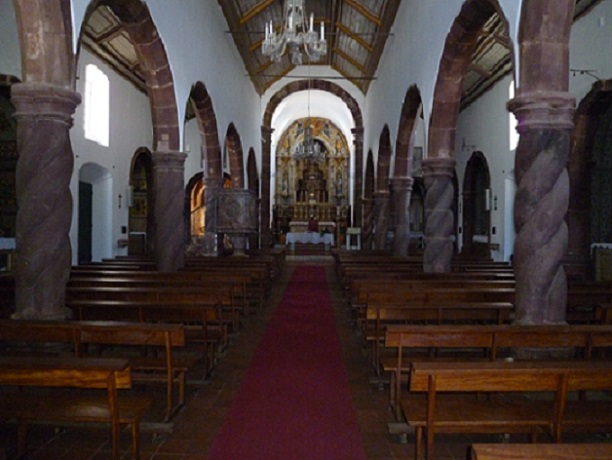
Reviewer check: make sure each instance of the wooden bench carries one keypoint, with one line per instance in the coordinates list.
(108, 375)
(164, 367)
(515, 405)
(380, 316)
(203, 322)
(561, 451)
(411, 343)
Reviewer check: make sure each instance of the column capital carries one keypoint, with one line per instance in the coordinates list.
(44, 101)
(213, 182)
(267, 131)
(401, 183)
(357, 134)
(543, 110)
(443, 166)
(170, 161)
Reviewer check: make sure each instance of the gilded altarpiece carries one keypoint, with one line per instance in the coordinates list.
(308, 187)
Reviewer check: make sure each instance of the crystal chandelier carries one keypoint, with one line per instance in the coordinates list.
(295, 33)
(309, 150)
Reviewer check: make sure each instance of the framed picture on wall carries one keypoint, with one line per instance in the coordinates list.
(417, 162)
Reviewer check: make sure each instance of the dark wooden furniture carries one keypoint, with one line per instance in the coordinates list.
(596, 451)
(61, 406)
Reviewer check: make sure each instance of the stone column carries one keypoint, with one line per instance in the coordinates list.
(264, 221)
(402, 190)
(439, 219)
(169, 191)
(358, 185)
(44, 168)
(545, 126)
(367, 232)
(381, 218)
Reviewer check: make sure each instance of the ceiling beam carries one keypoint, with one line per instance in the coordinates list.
(480, 70)
(364, 12)
(254, 11)
(355, 37)
(109, 34)
(350, 60)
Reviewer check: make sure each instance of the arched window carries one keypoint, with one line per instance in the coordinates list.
(514, 135)
(97, 105)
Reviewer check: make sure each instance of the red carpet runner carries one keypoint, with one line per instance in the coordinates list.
(294, 402)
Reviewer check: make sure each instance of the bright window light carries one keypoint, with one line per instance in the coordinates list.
(97, 106)
(514, 135)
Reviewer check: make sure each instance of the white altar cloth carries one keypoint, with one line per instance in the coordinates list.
(310, 237)
(7, 243)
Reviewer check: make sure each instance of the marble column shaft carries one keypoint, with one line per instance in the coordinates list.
(44, 169)
(542, 197)
(358, 186)
(381, 217)
(402, 190)
(367, 234)
(168, 182)
(264, 221)
(439, 219)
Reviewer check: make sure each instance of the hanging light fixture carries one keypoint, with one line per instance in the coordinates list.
(295, 34)
(308, 149)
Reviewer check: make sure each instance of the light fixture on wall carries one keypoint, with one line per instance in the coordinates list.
(295, 33)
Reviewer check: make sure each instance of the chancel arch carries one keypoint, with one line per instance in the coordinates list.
(312, 163)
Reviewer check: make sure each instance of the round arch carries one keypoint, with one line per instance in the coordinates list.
(233, 144)
(207, 123)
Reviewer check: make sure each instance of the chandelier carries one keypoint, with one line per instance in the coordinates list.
(309, 150)
(294, 34)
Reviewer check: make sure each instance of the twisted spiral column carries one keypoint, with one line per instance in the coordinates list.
(381, 218)
(168, 180)
(402, 190)
(439, 219)
(541, 205)
(367, 234)
(43, 254)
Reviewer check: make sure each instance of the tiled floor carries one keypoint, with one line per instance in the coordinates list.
(195, 426)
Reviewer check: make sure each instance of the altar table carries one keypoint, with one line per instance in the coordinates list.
(310, 237)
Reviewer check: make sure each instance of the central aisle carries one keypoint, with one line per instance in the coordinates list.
(295, 401)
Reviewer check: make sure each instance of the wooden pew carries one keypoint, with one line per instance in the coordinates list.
(519, 409)
(562, 451)
(381, 316)
(411, 343)
(203, 324)
(108, 375)
(164, 367)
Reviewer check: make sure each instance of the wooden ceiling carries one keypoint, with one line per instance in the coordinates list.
(355, 30)
(356, 33)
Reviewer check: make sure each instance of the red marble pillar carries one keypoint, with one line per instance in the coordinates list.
(402, 190)
(545, 125)
(266, 145)
(168, 183)
(358, 186)
(44, 168)
(439, 219)
(367, 233)
(381, 218)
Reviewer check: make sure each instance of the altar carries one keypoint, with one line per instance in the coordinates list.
(310, 238)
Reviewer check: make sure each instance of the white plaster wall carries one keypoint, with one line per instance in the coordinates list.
(193, 149)
(591, 49)
(10, 57)
(485, 126)
(101, 209)
(130, 129)
(199, 49)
